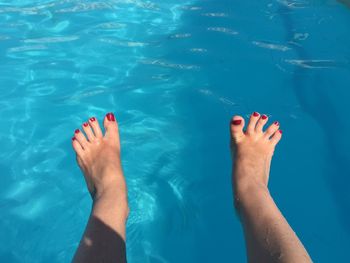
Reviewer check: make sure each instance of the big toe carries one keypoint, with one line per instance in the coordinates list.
(237, 125)
(111, 126)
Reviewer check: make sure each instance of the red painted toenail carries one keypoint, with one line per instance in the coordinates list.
(92, 119)
(276, 123)
(85, 124)
(264, 117)
(237, 122)
(76, 131)
(73, 139)
(280, 131)
(110, 116)
(255, 114)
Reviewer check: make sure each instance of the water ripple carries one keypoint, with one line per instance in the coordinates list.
(223, 30)
(198, 50)
(111, 25)
(191, 8)
(166, 64)
(185, 35)
(301, 36)
(268, 45)
(316, 63)
(51, 39)
(27, 48)
(215, 14)
(84, 7)
(294, 4)
(123, 43)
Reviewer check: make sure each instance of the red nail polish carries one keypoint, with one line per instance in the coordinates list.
(110, 116)
(73, 139)
(92, 119)
(280, 131)
(237, 122)
(255, 114)
(264, 117)
(76, 131)
(276, 123)
(85, 124)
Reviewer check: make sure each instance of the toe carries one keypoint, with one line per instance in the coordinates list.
(95, 127)
(80, 137)
(77, 147)
(87, 129)
(252, 122)
(110, 125)
(261, 123)
(236, 126)
(276, 137)
(272, 129)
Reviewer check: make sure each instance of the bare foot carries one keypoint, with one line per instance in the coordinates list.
(98, 157)
(269, 237)
(252, 151)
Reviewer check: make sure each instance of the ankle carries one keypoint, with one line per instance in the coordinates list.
(111, 189)
(248, 191)
(112, 199)
(110, 181)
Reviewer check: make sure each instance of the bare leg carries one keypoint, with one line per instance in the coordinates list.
(98, 157)
(269, 238)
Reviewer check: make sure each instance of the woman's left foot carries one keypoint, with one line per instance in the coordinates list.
(98, 156)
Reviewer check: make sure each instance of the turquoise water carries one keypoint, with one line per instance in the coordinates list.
(174, 72)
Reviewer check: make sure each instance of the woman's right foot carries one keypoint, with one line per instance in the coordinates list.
(269, 238)
(252, 151)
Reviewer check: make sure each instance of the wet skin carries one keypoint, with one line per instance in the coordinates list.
(268, 236)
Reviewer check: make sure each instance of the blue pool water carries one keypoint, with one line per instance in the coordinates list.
(174, 72)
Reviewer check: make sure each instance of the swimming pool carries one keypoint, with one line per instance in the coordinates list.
(174, 72)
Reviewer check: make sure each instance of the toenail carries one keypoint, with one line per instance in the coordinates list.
(110, 116)
(73, 139)
(280, 131)
(92, 119)
(237, 122)
(264, 117)
(85, 124)
(255, 114)
(76, 131)
(276, 123)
